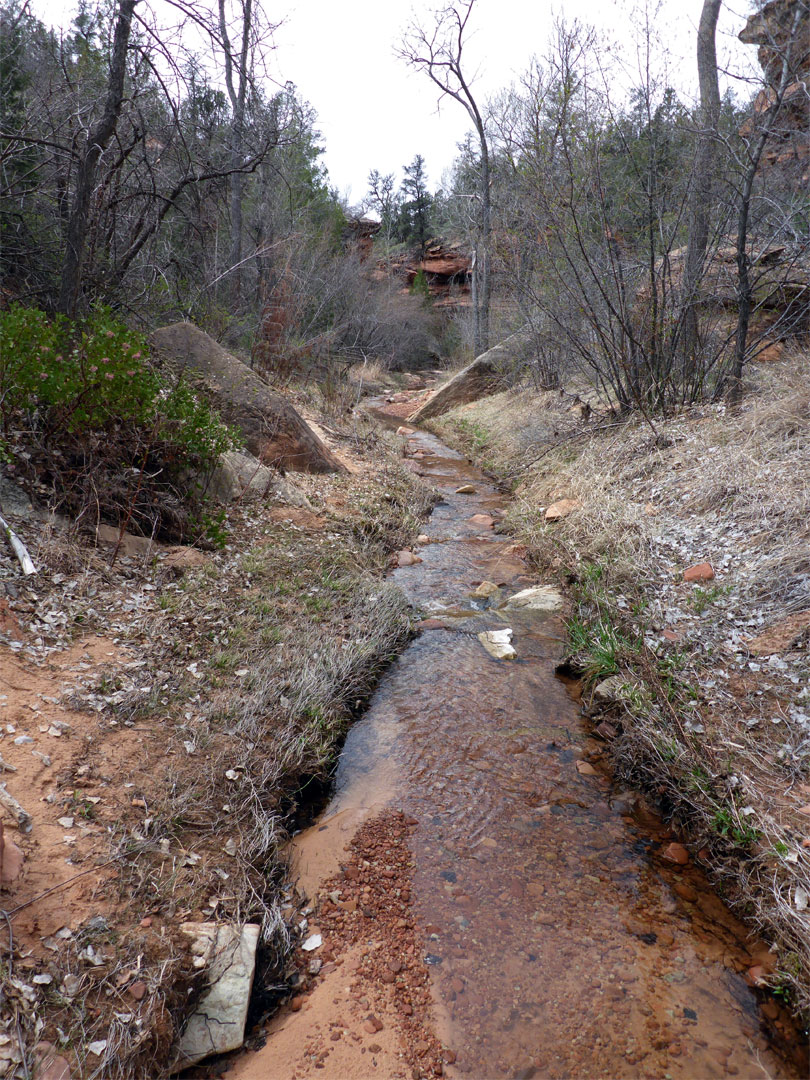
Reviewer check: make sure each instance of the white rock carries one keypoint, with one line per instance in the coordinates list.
(537, 598)
(313, 942)
(218, 1025)
(496, 642)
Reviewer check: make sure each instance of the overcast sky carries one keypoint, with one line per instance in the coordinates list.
(375, 113)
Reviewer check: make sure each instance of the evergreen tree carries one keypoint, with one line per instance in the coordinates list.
(416, 204)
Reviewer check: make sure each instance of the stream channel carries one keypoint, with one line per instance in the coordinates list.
(584, 953)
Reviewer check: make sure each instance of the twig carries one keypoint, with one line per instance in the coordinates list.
(62, 884)
(19, 548)
(597, 430)
(22, 816)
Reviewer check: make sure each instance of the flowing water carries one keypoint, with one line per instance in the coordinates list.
(560, 941)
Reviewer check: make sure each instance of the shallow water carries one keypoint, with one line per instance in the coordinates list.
(560, 942)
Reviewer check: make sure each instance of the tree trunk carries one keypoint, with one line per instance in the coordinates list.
(237, 92)
(484, 292)
(99, 137)
(702, 183)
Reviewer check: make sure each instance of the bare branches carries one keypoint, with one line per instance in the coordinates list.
(438, 51)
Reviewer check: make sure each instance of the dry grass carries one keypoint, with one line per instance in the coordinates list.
(719, 735)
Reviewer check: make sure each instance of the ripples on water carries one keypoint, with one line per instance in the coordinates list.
(558, 941)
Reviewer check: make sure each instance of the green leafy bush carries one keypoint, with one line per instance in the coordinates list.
(101, 426)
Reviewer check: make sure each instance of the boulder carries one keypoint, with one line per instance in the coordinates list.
(482, 377)
(229, 954)
(242, 476)
(273, 430)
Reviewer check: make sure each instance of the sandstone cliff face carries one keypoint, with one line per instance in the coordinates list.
(781, 29)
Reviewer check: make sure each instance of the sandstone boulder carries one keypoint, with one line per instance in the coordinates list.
(482, 377)
(273, 430)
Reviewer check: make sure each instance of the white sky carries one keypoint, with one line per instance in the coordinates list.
(375, 113)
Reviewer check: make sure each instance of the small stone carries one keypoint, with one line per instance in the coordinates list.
(677, 853)
(137, 990)
(66, 822)
(71, 985)
(11, 861)
(482, 519)
(466, 489)
(373, 1025)
(685, 891)
(485, 590)
(407, 558)
(561, 509)
(146, 922)
(586, 769)
(296, 1003)
(700, 572)
(374, 1048)
(497, 643)
(23, 740)
(50, 1065)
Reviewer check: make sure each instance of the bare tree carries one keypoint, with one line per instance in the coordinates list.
(97, 141)
(439, 52)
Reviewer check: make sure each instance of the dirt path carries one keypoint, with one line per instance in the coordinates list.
(506, 913)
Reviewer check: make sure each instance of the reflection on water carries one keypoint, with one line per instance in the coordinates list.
(560, 944)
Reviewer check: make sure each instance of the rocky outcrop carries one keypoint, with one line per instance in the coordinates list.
(483, 376)
(273, 430)
(781, 29)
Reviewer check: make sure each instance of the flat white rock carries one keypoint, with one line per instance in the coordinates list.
(537, 598)
(218, 1025)
(496, 642)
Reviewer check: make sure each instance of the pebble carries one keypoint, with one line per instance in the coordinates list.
(677, 853)
(373, 1025)
(685, 891)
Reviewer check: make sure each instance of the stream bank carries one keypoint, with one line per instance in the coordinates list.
(487, 903)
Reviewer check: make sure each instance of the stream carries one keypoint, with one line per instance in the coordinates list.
(540, 889)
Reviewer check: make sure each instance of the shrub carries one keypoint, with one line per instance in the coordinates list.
(100, 426)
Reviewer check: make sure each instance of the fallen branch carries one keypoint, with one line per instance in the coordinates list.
(19, 548)
(22, 817)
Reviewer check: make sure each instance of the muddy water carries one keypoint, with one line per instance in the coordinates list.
(560, 941)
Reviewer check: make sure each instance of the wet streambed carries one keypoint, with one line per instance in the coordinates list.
(560, 941)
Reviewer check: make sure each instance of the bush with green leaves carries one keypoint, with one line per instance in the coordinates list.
(101, 427)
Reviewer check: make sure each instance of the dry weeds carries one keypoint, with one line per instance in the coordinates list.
(235, 685)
